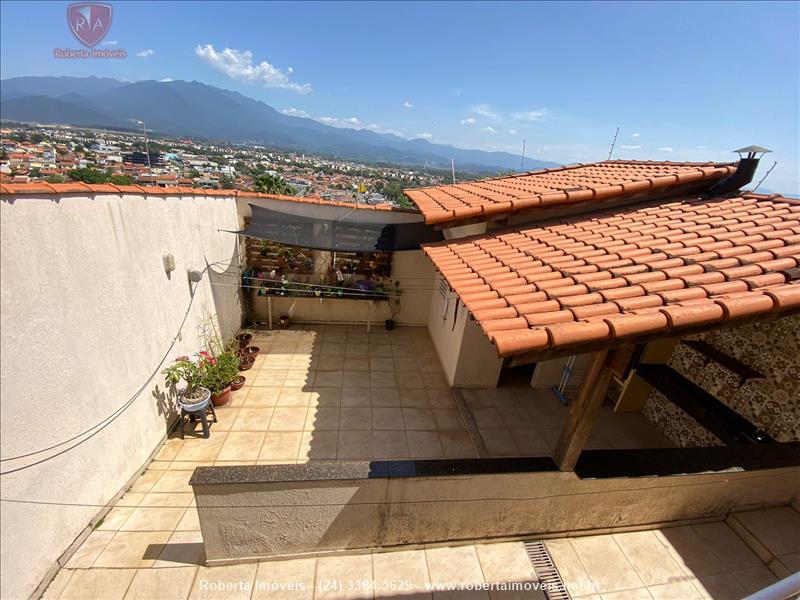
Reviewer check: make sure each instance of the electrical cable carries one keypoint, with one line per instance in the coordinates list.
(114, 415)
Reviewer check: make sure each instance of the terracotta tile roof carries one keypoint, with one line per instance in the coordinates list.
(649, 271)
(77, 187)
(562, 185)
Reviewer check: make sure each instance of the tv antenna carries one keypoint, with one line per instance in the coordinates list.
(765, 176)
(613, 142)
(522, 163)
(453, 168)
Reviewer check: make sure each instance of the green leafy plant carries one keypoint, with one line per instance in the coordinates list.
(189, 371)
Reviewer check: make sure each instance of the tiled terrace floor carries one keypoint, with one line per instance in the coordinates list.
(328, 393)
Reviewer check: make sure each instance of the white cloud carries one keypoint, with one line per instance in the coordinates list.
(425, 135)
(512, 131)
(109, 43)
(328, 120)
(702, 147)
(489, 129)
(239, 65)
(353, 121)
(667, 149)
(629, 147)
(295, 112)
(468, 121)
(146, 53)
(485, 110)
(166, 80)
(637, 134)
(407, 104)
(530, 116)
(378, 129)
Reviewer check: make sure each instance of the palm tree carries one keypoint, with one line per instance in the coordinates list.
(272, 184)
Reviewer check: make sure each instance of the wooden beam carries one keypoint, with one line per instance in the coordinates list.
(576, 431)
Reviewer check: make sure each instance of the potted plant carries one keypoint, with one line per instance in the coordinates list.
(195, 395)
(244, 339)
(218, 373)
(238, 382)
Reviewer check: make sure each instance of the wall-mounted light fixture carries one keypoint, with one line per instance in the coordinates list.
(169, 262)
(195, 276)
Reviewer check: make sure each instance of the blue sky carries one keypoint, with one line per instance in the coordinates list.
(683, 81)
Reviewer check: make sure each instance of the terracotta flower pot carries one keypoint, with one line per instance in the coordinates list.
(251, 351)
(244, 339)
(221, 398)
(246, 362)
(238, 383)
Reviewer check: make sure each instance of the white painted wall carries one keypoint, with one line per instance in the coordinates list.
(87, 314)
(468, 358)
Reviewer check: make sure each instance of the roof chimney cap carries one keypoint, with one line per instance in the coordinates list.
(751, 151)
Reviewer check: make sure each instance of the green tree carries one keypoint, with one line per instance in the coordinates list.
(34, 172)
(88, 175)
(194, 173)
(226, 182)
(272, 184)
(55, 178)
(120, 180)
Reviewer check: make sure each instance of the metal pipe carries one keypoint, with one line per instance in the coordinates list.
(788, 587)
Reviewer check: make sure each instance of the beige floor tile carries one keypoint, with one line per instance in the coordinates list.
(454, 565)
(115, 518)
(201, 449)
(91, 584)
(294, 397)
(170, 448)
(57, 585)
(161, 584)
(290, 418)
(354, 445)
(606, 564)
(777, 528)
(156, 518)
(356, 363)
(132, 549)
(570, 567)
(418, 419)
(505, 562)
(356, 419)
(328, 379)
(355, 379)
(173, 499)
(356, 397)
(382, 379)
(690, 552)
(145, 482)
(343, 577)
(499, 442)
(183, 548)
(649, 557)
(291, 579)
(242, 445)
(326, 397)
(281, 446)
(231, 582)
(410, 380)
(323, 418)
(382, 397)
(440, 398)
(413, 398)
(389, 445)
(130, 499)
(262, 397)
(634, 594)
(318, 445)
(400, 574)
(457, 444)
(424, 444)
(385, 418)
(680, 590)
(91, 548)
(189, 521)
(226, 416)
(447, 419)
(173, 481)
(530, 442)
(720, 587)
(754, 579)
(727, 546)
(487, 418)
(253, 419)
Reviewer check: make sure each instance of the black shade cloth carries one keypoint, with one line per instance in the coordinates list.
(341, 234)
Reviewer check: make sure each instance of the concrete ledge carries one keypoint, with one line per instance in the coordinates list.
(261, 511)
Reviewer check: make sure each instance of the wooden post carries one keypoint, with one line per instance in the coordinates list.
(590, 396)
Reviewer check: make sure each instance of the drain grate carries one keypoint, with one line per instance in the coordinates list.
(549, 577)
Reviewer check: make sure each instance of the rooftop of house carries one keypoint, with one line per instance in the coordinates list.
(559, 186)
(599, 278)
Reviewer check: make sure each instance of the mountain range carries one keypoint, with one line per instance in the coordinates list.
(194, 109)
